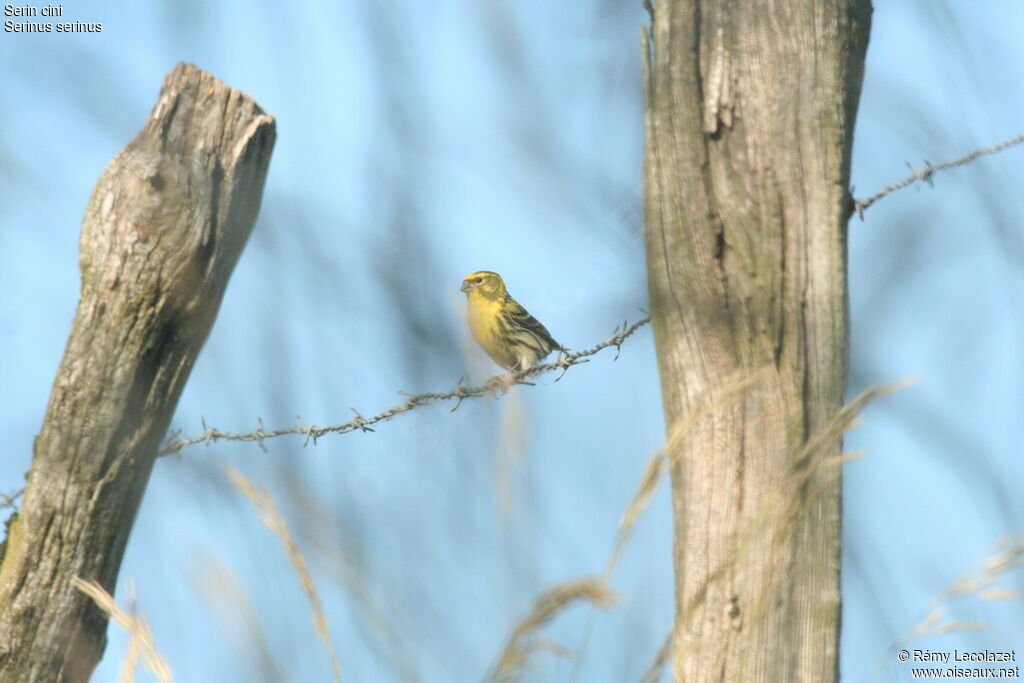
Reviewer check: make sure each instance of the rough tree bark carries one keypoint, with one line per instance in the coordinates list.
(749, 118)
(162, 232)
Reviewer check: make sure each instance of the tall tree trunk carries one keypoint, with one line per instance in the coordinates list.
(163, 230)
(750, 110)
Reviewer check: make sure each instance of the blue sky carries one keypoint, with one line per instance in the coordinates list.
(416, 143)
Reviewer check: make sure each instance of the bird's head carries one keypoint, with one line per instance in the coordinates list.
(483, 283)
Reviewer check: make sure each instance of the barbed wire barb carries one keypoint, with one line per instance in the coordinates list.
(923, 175)
(361, 421)
(492, 387)
(460, 393)
(260, 432)
(565, 368)
(9, 500)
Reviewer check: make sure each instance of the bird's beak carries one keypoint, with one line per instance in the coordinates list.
(465, 286)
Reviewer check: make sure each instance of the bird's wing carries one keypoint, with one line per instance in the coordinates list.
(530, 324)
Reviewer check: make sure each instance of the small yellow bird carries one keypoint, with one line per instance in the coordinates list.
(511, 337)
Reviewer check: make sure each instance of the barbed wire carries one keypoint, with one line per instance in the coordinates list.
(412, 401)
(924, 174)
(565, 361)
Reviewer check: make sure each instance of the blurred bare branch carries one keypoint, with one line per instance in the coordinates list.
(413, 401)
(925, 173)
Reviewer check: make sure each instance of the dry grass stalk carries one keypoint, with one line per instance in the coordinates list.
(140, 635)
(656, 467)
(658, 463)
(226, 595)
(845, 419)
(641, 500)
(955, 626)
(1009, 555)
(740, 381)
(778, 514)
(342, 561)
(277, 524)
(668, 456)
(813, 473)
(657, 668)
(524, 639)
(130, 661)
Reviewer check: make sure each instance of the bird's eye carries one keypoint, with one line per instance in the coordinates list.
(477, 280)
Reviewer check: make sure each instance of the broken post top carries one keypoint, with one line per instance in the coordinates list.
(183, 193)
(228, 116)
